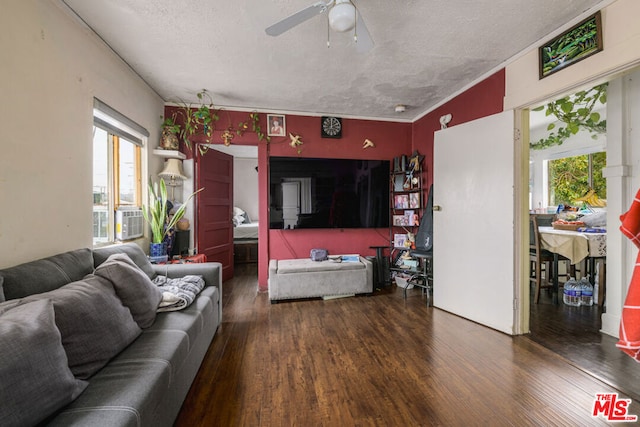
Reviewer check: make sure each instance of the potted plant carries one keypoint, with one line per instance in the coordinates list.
(189, 120)
(157, 215)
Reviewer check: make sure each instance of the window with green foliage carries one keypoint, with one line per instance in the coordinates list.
(570, 178)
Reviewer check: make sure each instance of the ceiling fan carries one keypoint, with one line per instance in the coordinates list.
(343, 16)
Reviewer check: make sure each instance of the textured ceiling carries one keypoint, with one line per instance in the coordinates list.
(425, 50)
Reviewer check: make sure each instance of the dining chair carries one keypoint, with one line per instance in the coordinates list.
(540, 258)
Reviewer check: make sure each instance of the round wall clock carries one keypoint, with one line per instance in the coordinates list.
(331, 127)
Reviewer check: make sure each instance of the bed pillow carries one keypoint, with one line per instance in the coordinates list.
(94, 324)
(36, 380)
(133, 287)
(237, 211)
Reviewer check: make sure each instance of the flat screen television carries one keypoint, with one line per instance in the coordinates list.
(328, 193)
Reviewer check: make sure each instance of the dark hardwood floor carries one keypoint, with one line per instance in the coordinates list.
(573, 333)
(377, 361)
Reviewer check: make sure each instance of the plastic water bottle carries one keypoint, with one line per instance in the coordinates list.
(571, 292)
(586, 297)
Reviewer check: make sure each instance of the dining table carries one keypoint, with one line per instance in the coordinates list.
(577, 246)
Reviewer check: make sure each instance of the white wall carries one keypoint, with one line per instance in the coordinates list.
(51, 68)
(245, 186)
(621, 38)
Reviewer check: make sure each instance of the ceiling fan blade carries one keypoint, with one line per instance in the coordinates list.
(364, 42)
(297, 18)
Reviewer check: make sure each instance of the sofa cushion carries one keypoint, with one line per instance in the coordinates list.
(36, 380)
(133, 287)
(94, 324)
(2, 299)
(134, 252)
(123, 393)
(189, 321)
(306, 265)
(46, 274)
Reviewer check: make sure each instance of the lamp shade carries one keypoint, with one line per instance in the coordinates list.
(173, 169)
(342, 16)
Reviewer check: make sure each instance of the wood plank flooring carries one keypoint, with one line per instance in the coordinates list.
(573, 332)
(377, 361)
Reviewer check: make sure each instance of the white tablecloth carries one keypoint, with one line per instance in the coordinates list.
(574, 245)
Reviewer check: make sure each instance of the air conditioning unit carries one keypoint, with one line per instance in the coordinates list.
(129, 223)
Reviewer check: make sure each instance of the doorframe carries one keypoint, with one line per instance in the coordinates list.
(521, 207)
(521, 290)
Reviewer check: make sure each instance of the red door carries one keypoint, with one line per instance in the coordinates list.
(214, 229)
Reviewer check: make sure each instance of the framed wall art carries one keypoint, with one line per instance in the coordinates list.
(401, 201)
(276, 125)
(574, 45)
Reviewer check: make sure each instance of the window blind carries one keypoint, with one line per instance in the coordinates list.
(117, 123)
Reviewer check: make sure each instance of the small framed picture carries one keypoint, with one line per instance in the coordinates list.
(399, 240)
(409, 217)
(276, 125)
(401, 201)
(414, 200)
(399, 220)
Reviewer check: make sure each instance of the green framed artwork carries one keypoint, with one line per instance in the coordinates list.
(574, 45)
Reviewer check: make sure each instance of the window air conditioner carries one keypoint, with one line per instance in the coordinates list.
(129, 223)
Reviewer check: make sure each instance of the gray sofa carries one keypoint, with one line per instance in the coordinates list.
(144, 384)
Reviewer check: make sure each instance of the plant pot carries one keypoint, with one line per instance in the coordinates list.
(169, 140)
(158, 252)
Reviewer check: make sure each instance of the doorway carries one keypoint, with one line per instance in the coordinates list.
(584, 335)
(246, 218)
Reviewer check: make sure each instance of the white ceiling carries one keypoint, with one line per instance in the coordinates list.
(425, 50)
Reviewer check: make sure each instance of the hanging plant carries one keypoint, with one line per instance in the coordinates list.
(254, 123)
(575, 112)
(189, 120)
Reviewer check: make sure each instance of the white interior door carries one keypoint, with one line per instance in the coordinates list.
(473, 251)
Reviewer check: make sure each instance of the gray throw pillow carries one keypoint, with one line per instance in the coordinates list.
(36, 380)
(94, 324)
(134, 252)
(133, 287)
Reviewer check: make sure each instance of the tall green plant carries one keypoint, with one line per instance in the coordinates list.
(155, 213)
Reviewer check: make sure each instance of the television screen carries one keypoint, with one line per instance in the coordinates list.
(328, 193)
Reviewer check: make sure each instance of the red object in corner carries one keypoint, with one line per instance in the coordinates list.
(199, 258)
(630, 322)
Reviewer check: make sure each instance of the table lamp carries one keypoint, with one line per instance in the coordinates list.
(173, 171)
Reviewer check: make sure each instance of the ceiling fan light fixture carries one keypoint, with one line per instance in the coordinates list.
(342, 16)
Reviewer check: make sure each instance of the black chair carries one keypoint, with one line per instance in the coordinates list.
(424, 250)
(540, 258)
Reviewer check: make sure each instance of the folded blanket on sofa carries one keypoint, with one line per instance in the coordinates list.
(178, 293)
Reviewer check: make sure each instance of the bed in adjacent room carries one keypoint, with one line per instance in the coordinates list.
(245, 238)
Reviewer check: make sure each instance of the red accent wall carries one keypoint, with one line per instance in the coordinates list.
(482, 100)
(391, 139)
